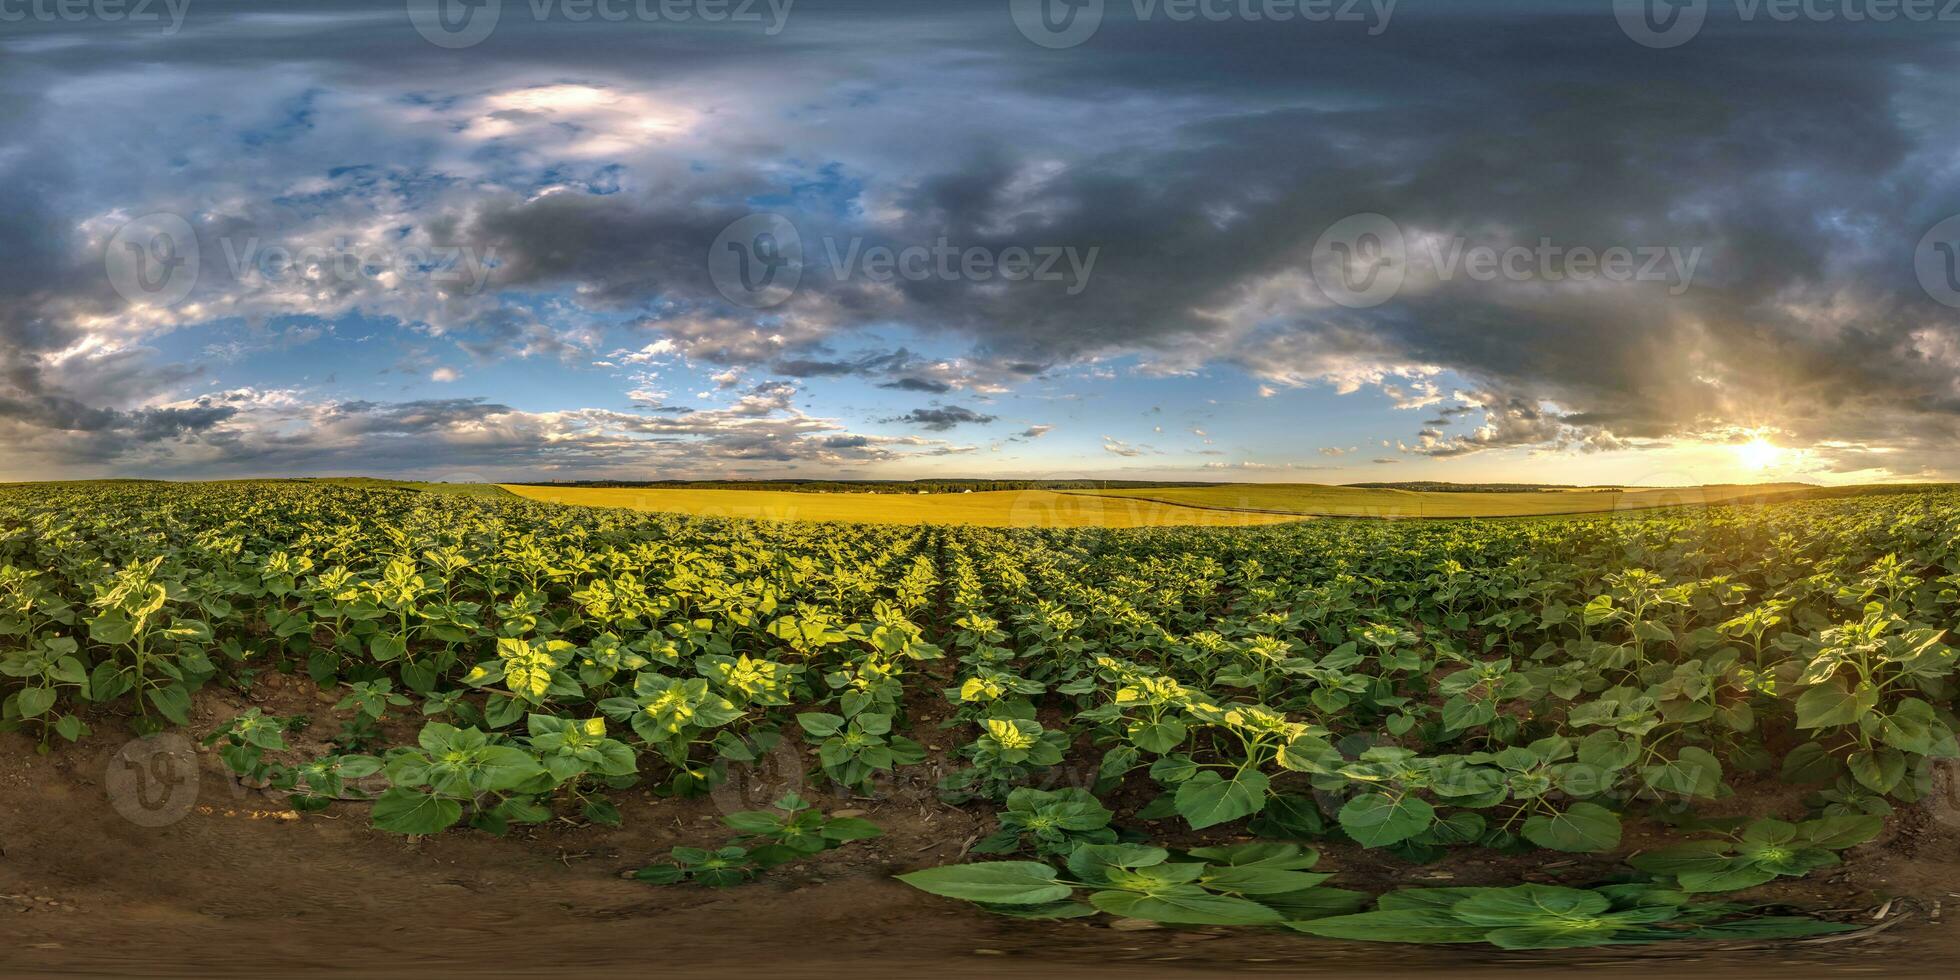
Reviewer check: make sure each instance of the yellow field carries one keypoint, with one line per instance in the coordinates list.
(994, 508)
(1310, 499)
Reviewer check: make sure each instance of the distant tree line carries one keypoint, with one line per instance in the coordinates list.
(871, 486)
(1435, 487)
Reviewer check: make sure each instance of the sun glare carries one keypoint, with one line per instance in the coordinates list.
(1759, 453)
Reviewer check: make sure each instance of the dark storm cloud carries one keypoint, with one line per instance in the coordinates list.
(942, 419)
(926, 385)
(906, 370)
(1496, 129)
(409, 418)
(1201, 160)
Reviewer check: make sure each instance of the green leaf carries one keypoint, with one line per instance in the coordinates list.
(1769, 831)
(1397, 926)
(1161, 807)
(1693, 772)
(820, 723)
(1734, 878)
(173, 701)
(1582, 827)
(773, 855)
(754, 821)
(603, 812)
(1263, 854)
(1260, 881)
(1461, 712)
(1173, 769)
(844, 829)
(1809, 763)
(35, 700)
(1208, 799)
(1693, 857)
(358, 766)
(1771, 927)
(405, 811)
(1574, 935)
(1788, 861)
(1310, 753)
(1315, 903)
(1832, 703)
(1456, 782)
(1838, 833)
(1434, 899)
(1093, 862)
(1288, 817)
(1378, 819)
(1529, 905)
(1186, 906)
(1160, 737)
(993, 882)
(1639, 894)
(384, 647)
(1878, 770)
(1607, 749)
(660, 874)
(500, 710)
(112, 628)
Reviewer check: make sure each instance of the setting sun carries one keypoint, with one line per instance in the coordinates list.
(1760, 453)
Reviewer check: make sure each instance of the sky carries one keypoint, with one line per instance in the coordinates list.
(1328, 241)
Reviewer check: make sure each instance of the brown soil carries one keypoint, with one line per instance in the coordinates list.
(97, 879)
